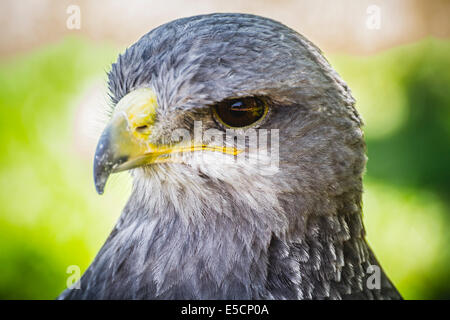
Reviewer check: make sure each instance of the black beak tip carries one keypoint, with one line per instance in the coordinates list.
(105, 160)
(103, 167)
(100, 188)
(100, 178)
(102, 170)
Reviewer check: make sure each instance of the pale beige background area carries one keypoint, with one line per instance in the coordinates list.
(335, 26)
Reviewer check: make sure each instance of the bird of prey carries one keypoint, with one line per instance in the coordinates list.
(202, 222)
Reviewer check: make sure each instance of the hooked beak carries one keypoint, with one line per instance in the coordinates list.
(124, 142)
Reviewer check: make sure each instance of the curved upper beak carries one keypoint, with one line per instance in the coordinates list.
(124, 142)
(104, 161)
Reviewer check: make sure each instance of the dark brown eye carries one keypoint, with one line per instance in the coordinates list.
(240, 113)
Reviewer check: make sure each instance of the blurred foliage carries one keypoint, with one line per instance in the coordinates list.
(51, 217)
(403, 95)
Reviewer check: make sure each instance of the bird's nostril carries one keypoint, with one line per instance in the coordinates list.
(143, 129)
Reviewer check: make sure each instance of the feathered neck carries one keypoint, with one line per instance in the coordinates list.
(233, 248)
(155, 253)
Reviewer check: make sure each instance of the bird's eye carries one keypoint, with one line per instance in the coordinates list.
(240, 113)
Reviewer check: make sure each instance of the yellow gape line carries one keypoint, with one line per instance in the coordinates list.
(226, 150)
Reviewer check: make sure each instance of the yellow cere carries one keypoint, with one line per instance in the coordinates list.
(139, 107)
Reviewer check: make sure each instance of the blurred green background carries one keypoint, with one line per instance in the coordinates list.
(51, 216)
